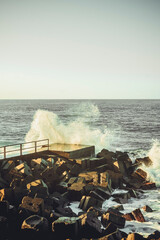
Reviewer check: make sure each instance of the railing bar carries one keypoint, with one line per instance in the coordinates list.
(23, 143)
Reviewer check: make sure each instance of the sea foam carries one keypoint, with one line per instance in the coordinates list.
(49, 125)
(154, 170)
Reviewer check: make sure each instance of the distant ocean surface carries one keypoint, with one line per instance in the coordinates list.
(126, 125)
(116, 124)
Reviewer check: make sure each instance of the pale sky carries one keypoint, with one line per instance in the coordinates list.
(107, 49)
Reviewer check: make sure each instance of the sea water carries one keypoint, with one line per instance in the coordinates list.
(126, 125)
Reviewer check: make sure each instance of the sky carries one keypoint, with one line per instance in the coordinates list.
(79, 49)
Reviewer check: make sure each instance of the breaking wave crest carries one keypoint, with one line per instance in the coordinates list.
(48, 125)
(154, 170)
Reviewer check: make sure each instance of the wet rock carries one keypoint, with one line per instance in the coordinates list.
(147, 209)
(118, 207)
(55, 200)
(148, 186)
(115, 218)
(75, 170)
(87, 202)
(94, 194)
(132, 182)
(140, 175)
(104, 193)
(3, 183)
(116, 179)
(61, 187)
(90, 176)
(83, 162)
(90, 226)
(3, 227)
(7, 166)
(4, 208)
(96, 162)
(109, 232)
(133, 193)
(135, 215)
(76, 191)
(36, 223)
(39, 164)
(124, 163)
(135, 236)
(122, 195)
(32, 205)
(65, 211)
(138, 215)
(7, 194)
(49, 175)
(155, 235)
(146, 161)
(23, 169)
(37, 186)
(97, 212)
(108, 155)
(65, 227)
(50, 161)
(129, 216)
(105, 178)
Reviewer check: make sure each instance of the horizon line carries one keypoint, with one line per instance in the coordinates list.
(79, 99)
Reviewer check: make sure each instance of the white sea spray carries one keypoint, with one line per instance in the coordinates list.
(48, 125)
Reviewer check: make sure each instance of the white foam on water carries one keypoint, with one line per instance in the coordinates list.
(48, 125)
(154, 170)
(151, 198)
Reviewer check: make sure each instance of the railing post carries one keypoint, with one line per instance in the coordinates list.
(48, 144)
(21, 149)
(35, 146)
(5, 152)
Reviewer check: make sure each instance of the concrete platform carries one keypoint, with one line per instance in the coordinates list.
(73, 151)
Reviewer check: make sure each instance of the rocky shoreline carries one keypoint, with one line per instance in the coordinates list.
(35, 197)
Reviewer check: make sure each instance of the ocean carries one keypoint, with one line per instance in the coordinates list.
(126, 125)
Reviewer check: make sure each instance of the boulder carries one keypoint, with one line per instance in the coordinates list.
(7, 194)
(66, 227)
(36, 223)
(108, 155)
(4, 208)
(146, 161)
(135, 215)
(113, 217)
(135, 236)
(146, 208)
(76, 191)
(32, 205)
(3, 228)
(90, 226)
(148, 186)
(39, 164)
(124, 163)
(87, 202)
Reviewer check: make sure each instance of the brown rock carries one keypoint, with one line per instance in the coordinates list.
(33, 205)
(146, 161)
(138, 215)
(108, 155)
(148, 186)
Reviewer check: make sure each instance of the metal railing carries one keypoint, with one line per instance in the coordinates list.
(23, 148)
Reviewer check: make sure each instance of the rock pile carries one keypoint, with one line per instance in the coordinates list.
(35, 197)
